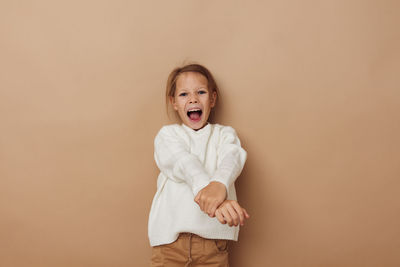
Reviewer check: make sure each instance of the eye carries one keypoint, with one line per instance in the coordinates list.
(183, 94)
(202, 92)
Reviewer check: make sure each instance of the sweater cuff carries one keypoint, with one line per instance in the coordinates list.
(199, 184)
(222, 182)
(224, 176)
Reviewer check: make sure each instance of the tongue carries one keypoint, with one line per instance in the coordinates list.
(194, 116)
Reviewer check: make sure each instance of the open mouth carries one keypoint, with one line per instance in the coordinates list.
(194, 114)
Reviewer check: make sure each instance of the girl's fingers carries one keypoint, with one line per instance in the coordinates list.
(239, 211)
(212, 211)
(202, 204)
(234, 215)
(220, 217)
(227, 216)
(245, 213)
(197, 199)
(207, 207)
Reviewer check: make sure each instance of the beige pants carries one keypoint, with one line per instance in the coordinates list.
(191, 250)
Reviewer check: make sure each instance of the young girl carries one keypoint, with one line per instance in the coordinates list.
(194, 211)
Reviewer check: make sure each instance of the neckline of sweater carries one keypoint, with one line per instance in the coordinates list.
(205, 129)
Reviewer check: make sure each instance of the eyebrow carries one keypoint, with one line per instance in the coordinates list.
(183, 89)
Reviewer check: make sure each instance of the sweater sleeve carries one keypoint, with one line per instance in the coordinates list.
(174, 159)
(231, 158)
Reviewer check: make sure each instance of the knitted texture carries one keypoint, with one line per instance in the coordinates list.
(188, 161)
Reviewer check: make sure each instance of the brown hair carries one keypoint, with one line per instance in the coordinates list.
(174, 75)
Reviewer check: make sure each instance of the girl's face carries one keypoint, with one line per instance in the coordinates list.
(193, 100)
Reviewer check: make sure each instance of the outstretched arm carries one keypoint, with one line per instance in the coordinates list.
(172, 156)
(231, 158)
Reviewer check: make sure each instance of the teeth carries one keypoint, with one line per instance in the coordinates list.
(196, 109)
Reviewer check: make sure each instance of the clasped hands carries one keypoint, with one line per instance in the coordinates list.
(212, 200)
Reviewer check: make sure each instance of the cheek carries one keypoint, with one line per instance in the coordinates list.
(180, 106)
(207, 102)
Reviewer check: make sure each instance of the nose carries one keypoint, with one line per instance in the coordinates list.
(193, 99)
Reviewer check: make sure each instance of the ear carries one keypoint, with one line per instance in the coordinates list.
(173, 102)
(213, 99)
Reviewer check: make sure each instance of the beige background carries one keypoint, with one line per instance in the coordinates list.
(312, 88)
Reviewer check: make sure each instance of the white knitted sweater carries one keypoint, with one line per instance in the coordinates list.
(188, 161)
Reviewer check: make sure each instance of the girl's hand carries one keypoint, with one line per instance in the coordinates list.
(232, 213)
(210, 197)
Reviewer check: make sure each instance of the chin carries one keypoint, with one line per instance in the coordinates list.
(196, 125)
